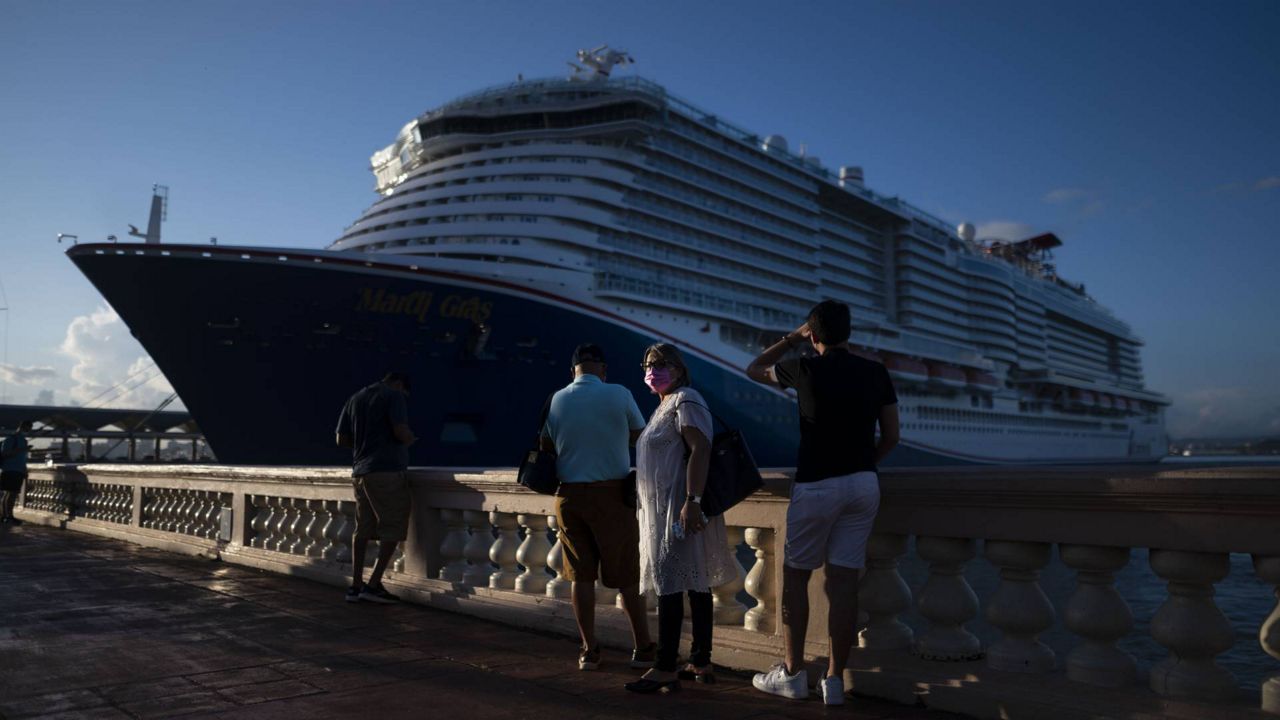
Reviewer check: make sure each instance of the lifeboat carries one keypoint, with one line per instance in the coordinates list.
(906, 369)
(986, 382)
(946, 375)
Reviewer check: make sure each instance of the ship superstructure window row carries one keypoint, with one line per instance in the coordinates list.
(726, 167)
(683, 257)
(708, 182)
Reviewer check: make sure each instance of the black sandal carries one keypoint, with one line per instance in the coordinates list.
(691, 672)
(645, 686)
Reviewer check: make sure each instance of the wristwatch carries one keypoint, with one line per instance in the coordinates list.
(694, 499)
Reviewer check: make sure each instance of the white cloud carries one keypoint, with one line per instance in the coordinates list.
(1004, 230)
(110, 369)
(1060, 196)
(30, 375)
(1267, 183)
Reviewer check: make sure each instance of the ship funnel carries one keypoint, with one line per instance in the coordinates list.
(159, 213)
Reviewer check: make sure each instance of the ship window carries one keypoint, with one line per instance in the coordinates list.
(327, 329)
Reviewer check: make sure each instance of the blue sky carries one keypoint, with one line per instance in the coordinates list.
(1146, 134)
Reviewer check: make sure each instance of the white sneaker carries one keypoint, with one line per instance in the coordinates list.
(778, 682)
(832, 689)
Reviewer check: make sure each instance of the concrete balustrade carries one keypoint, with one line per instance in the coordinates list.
(480, 544)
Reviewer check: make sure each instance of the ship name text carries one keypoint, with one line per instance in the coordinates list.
(419, 304)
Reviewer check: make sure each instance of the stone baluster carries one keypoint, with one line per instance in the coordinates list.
(947, 601)
(558, 586)
(1192, 627)
(884, 595)
(296, 531)
(257, 521)
(345, 531)
(316, 540)
(761, 583)
(453, 565)
(476, 551)
(728, 609)
(187, 511)
(533, 554)
(397, 560)
(1019, 608)
(107, 503)
(1267, 567)
(333, 521)
(503, 551)
(159, 501)
(279, 534)
(213, 515)
(169, 510)
(1099, 615)
(150, 508)
(124, 504)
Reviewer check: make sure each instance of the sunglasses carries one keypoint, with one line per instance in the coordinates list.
(655, 365)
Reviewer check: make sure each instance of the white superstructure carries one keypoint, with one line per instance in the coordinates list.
(614, 193)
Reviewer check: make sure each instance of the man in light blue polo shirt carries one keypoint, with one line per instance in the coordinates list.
(591, 424)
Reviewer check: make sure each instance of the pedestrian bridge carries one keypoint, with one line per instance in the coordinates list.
(484, 547)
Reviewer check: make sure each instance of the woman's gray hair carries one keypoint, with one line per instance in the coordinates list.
(671, 354)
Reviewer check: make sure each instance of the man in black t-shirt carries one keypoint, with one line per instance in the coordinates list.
(375, 424)
(836, 494)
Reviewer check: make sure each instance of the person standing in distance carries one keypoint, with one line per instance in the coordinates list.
(836, 493)
(375, 425)
(590, 425)
(13, 472)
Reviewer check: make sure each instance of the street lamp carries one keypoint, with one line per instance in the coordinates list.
(65, 236)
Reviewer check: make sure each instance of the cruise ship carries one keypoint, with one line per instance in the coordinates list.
(518, 221)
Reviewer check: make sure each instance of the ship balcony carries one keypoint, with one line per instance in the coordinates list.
(996, 593)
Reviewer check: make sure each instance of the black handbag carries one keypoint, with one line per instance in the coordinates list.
(732, 475)
(538, 469)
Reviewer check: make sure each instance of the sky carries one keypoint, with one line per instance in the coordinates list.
(1145, 134)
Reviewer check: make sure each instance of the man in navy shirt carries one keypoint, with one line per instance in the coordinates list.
(375, 425)
(836, 493)
(13, 472)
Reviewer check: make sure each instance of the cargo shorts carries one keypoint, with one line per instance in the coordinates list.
(382, 506)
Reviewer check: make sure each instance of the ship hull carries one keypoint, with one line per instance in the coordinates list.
(264, 349)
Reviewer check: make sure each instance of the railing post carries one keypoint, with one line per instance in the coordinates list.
(947, 601)
(1267, 568)
(1191, 626)
(728, 611)
(1099, 615)
(503, 551)
(557, 587)
(453, 548)
(761, 582)
(883, 595)
(476, 551)
(533, 554)
(1019, 608)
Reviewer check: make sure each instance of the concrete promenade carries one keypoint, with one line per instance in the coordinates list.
(98, 628)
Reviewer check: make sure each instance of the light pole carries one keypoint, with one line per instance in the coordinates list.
(65, 236)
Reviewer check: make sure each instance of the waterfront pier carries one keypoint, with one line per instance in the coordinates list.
(482, 546)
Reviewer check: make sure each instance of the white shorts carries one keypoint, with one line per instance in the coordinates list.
(830, 520)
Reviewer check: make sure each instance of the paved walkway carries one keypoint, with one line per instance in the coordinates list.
(93, 628)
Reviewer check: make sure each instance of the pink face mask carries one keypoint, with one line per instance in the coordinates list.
(658, 379)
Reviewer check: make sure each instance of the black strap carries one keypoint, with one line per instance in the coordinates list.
(714, 416)
(546, 411)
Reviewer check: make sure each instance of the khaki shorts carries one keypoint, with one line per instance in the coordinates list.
(382, 506)
(599, 533)
(830, 520)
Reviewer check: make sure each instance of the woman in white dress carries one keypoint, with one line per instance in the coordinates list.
(681, 551)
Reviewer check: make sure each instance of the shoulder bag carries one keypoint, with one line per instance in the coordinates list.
(732, 475)
(538, 469)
